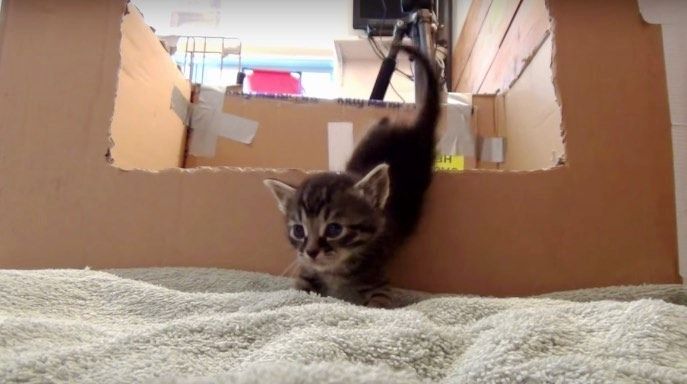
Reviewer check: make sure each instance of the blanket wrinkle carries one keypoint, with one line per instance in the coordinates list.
(197, 326)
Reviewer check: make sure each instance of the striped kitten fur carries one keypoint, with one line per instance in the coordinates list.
(346, 226)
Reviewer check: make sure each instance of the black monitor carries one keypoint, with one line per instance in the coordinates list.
(378, 15)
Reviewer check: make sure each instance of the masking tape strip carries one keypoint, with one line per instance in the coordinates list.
(209, 122)
(180, 105)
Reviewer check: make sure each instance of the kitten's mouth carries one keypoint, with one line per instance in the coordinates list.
(322, 261)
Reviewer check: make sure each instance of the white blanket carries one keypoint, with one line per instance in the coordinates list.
(211, 326)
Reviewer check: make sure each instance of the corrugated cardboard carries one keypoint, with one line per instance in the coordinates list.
(526, 33)
(472, 27)
(496, 23)
(606, 218)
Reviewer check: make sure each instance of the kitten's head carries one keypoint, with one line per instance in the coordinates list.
(330, 216)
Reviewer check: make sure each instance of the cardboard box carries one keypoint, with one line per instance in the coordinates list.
(605, 218)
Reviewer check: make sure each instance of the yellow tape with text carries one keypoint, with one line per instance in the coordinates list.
(449, 163)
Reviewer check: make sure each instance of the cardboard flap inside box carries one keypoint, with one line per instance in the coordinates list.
(272, 131)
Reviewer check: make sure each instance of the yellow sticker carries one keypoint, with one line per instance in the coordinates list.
(450, 163)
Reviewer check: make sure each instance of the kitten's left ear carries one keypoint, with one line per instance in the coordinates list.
(282, 192)
(375, 185)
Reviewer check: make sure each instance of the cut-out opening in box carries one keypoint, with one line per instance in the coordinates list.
(156, 126)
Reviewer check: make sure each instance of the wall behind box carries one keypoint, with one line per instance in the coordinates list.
(606, 218)
(671, 15)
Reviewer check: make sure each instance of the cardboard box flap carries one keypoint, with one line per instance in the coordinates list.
(294, 132)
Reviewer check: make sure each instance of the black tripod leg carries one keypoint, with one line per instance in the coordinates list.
(388, 64)
(383, 79)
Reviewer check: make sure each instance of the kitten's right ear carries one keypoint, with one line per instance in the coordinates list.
(375, 185)
(282, 192)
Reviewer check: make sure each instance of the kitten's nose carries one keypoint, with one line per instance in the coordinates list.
(312, 253)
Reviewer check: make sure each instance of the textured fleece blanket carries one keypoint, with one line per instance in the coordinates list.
(217, 326)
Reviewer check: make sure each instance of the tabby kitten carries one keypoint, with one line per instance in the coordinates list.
(346, 226)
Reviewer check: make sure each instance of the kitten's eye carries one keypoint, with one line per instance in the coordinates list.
(333, 230)
(297, 232)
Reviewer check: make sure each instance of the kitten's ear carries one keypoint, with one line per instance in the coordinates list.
(282, 192)
(375, 185)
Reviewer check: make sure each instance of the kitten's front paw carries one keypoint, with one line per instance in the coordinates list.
(379, 301)
(303, 285)
(307, 285)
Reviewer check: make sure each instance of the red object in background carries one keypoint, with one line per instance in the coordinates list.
(266, 81)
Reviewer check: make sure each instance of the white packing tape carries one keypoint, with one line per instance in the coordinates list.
(340, 144)
(493, 149)
(180, 105)
(458, 138)
(209, 122)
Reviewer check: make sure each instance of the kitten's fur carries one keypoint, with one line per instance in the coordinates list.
(360, 217)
